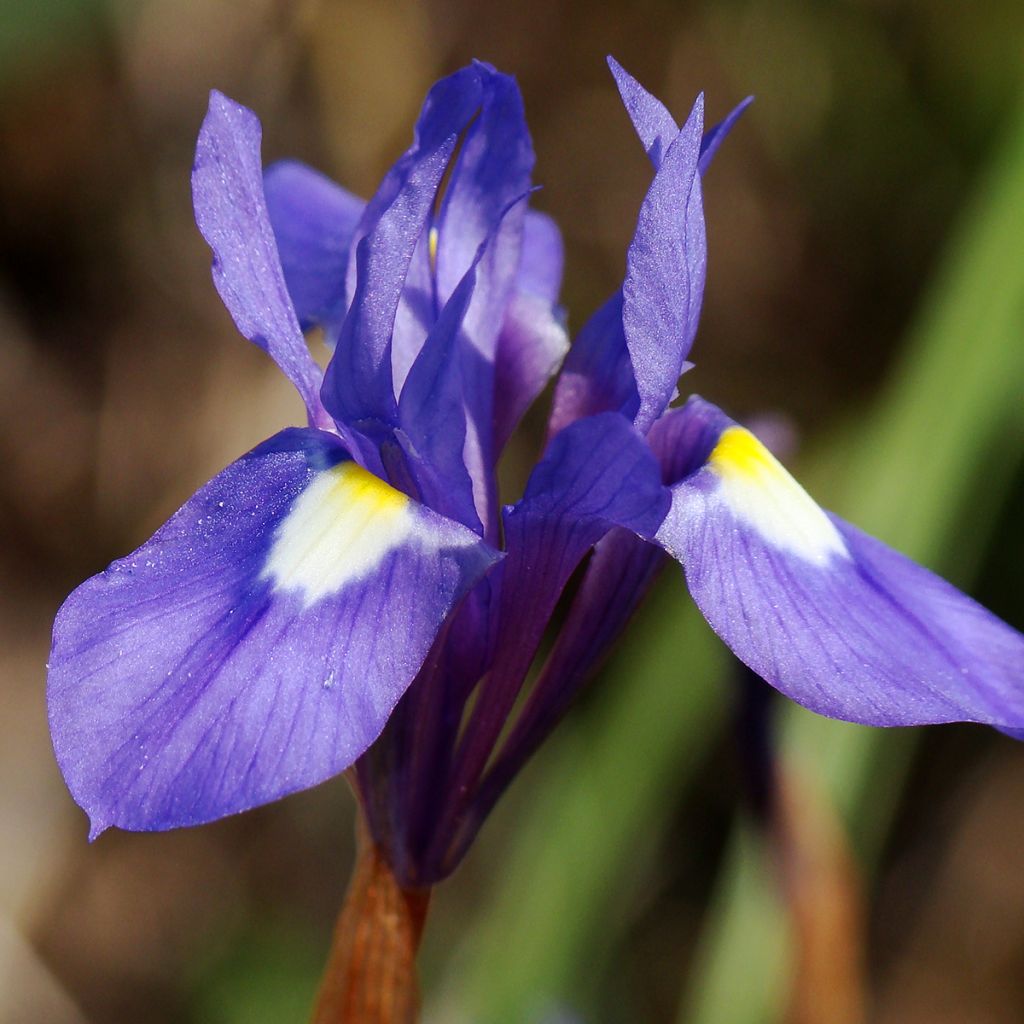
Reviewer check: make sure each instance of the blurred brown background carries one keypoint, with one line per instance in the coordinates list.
(123, 386)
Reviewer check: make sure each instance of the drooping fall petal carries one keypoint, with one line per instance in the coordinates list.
(256, 644)
(833, 618)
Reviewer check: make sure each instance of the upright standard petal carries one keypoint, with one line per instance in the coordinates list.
(434, 407)
(231, 211)
(599, 372)
(656, 127)
(533, 340)
(665, 271)
(532, 344)
(257, 644)
(831, 617)
(432, 411)
(313, 221)
(359, 383)
(717, 134)
(491, 174)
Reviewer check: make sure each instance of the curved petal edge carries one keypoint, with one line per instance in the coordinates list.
(831, 617)
(256, 644)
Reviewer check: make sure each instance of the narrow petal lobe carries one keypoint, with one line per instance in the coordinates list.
(631, 352)
(533, 339)
(654, 124)
(665, 272)
(359, 383)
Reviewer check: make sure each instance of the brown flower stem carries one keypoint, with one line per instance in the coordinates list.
(370, 976)
(823, 896)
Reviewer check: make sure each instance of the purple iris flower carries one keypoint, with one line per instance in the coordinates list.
(353, 593)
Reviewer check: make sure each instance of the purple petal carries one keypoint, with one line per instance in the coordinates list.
(715, 136)
(683, 437)
(432, 410)
(616, 580)
(313, 221)
(651, 119)
(597, 376)
(618, 576)
(433, 403)
(665, 271)
(597, 474)
(491, 173)
(230, 209)
(417, 312)
(533, 339)
(831, 617)
(359, 382)
(656, 127)
(532, 344)
(664, 282)
(542, 258)
(256, 644)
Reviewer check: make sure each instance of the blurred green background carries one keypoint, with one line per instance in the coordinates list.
(866, 283)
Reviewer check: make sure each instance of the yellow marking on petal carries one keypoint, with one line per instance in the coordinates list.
(432, 247)
(340, 528)
(758, 490)
(739, 452)
(353, 484)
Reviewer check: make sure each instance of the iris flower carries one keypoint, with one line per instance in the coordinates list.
(351, 594)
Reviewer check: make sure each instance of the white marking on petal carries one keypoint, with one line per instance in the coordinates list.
(759, 492)
(340, 528)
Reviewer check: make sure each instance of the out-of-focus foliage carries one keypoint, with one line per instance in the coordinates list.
(33, 30)
(606, 886)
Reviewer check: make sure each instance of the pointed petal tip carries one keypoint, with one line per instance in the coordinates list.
(222, 103)
(626, 83)
(487, 67)
(97, 826)
(615, 67)
(696, 117)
